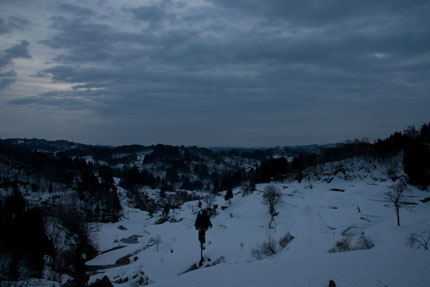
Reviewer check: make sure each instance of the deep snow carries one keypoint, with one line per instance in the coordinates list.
(313, 213)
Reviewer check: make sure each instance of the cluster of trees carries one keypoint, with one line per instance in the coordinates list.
(272, 169)
(414, 143)
(187, 167)
(23, 243)
(25, 248)
(133, 177)
(100, 196)
(107, 154)
(416, 163)
(74, 173)
(70, 260)
(181, 162)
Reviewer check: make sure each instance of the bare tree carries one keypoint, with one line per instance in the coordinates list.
(209, 199)
(248, 187)
(155, 241)
(397, 196)
(272, 197)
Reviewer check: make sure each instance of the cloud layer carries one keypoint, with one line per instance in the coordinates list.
(253, 72)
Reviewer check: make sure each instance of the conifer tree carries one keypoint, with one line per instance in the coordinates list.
(228, 195)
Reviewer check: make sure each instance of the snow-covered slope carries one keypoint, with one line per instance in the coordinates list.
(357, 168)
(138, 251)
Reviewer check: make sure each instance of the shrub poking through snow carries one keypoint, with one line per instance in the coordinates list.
(284, 240)
(362, 243)
(270, 247)
(266, 249)
(419, 240)
(341, 245)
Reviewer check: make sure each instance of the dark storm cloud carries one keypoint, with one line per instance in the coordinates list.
(320, 13)
(17, 51)
(135, 90)
(7, 56)
(84, 41)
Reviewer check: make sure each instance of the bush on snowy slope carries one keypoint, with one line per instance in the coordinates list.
(419, 240)
(361, 243)
(341, 245)
(284, 240)
(270, 247)
(265, 249)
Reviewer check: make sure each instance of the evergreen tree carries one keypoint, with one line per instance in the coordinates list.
(228, 195)
(15, 204)
(106, 174)
(416, 164)
(166, 210)
(80, 270)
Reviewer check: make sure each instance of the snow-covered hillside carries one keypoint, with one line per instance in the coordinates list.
(137, 251)
(357, 168)
(100, 211)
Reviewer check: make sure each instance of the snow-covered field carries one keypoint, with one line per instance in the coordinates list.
(316, 213)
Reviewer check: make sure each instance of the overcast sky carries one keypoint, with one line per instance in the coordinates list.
(213, 72)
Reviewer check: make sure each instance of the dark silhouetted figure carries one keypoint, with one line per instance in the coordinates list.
(202, 224)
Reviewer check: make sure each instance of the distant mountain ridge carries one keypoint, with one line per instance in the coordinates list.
(46, 145)
(43, 145)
